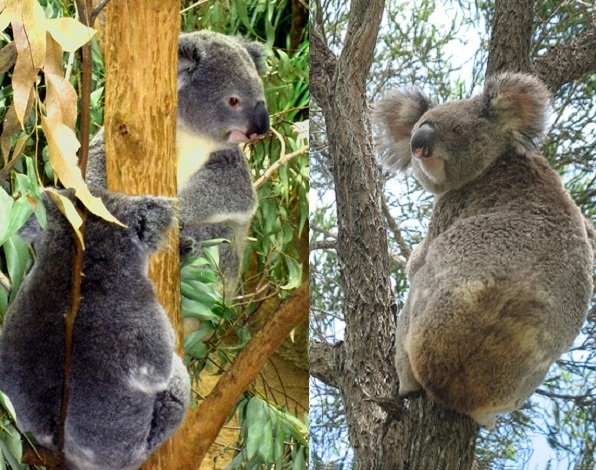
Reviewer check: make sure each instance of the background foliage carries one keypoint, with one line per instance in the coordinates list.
(270, 434)
(431, 45)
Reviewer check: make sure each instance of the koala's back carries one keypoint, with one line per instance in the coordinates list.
(122, 344)
(491, 315)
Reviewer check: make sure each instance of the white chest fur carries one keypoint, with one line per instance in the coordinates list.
(192, 151)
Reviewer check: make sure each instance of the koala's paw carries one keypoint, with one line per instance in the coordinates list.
(188, 245)
(410, 394)
(485, 419)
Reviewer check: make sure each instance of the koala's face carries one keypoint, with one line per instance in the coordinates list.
(220, 93)
(452, 144)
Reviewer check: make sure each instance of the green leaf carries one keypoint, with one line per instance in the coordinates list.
(194, 309)
(17, 260)
(294, 274)
(20, 212)
(6, 203)
(299, 460)
(199, 291)
(3, 301)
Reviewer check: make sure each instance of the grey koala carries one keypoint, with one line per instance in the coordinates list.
(500, 286)
(128, 390)
(221, 103)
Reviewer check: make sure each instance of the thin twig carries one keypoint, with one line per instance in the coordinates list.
(96, 11)
(284, 160)
(196, 4)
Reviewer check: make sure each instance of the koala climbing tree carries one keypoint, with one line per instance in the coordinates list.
(500, 286)
(123, 343)
(215, 115)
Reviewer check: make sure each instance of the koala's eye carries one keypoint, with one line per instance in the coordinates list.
(458, 130)
(234, 101)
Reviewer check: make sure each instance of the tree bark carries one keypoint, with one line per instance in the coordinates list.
(407, 434)
(511, 37)
(141, 50)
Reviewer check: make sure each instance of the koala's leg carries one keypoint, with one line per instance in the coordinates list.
(407, 382)
(170, 405)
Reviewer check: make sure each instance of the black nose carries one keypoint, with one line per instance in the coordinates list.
(423, 140)
(259, 122)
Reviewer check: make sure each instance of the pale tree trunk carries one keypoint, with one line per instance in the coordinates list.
(141, 51)
(385, 431)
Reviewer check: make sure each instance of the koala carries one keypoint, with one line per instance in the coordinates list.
(221, 104)
(128, 390)
(500, 285)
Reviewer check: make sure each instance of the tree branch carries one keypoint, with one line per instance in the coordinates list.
(323, 245)
(324, 360)
(361, 38)
(324, 62)
(403, 246)
(568, 61)
(203, 424)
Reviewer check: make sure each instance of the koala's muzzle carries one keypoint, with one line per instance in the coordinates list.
(259, 120)
(423, 141)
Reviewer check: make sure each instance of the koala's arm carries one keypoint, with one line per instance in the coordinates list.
(221, 191)
(170, 405)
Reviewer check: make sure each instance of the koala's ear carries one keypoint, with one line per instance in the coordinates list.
(189, 55)
(520, 104)
(151, 218)
(257, 54)
(394, 117)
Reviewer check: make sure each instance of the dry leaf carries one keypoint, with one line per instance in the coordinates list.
(68, 209)
(61, 97)
(30, 41)
(69, 33)
(8, 56)
(63, 146)
(11, 125)
(8, 10)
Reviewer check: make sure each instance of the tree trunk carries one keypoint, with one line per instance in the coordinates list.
(385, 432)
(141, 51)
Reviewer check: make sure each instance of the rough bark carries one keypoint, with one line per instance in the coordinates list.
(140, 126)
(511, 37)
(510, 46)
(568, 61)
(385, 432)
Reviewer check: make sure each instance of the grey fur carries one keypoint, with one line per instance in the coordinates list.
(128, 389)
(217, 198)
(499, 287)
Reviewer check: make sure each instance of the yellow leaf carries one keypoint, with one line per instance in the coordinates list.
(30, 41)
(61, 97)
(67, 207)
(63, 146)
(69, 33)
(8, 10)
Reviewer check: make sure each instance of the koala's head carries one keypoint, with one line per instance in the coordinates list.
(451, 144)
(220, 93)
(147, 220)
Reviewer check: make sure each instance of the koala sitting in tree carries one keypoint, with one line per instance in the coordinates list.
(500, 286)
(128, 390)
(221, 104)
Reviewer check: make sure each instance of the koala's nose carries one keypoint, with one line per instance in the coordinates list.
(423, 140)
(259, 122)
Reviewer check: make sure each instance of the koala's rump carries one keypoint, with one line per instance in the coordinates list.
(120, 364)
(489, 311)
